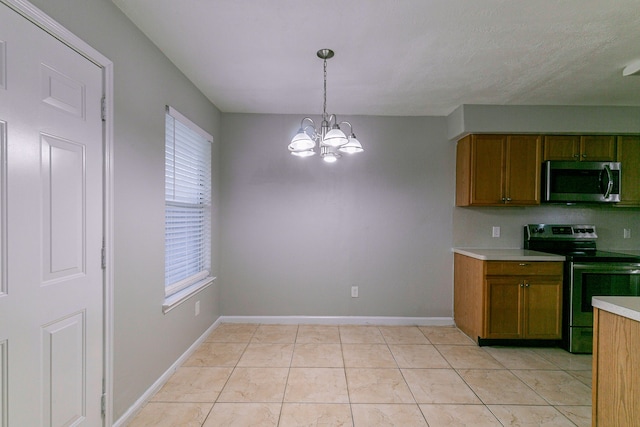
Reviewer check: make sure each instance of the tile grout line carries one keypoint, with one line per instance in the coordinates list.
(286, 381)
(558, 361)
(344, 369)
(230, 374)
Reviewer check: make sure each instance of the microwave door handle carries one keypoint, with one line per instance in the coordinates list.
(607, 192)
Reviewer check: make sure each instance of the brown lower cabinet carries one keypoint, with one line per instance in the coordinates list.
(616, 370)
(508, 299)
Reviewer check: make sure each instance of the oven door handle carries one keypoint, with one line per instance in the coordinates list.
(607, 267)
(609, 188)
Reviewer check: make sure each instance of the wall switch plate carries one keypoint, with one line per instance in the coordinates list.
(197, 307)
(354, 292)
(627, 233)
(495, 232)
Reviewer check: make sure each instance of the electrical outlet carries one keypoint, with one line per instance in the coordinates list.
(495, 232)
(197, 307)
(354, 292)
(627, 233)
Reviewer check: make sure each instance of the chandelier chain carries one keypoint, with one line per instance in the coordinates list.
(324, 106)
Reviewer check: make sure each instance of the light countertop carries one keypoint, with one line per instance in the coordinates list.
(508, 254)
(628, 307)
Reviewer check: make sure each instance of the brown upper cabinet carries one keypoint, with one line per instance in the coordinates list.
(498, 170)
(629, 157)
(585, 148)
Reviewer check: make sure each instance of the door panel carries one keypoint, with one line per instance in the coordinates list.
(488, 154)
(63, 202)
(4, 376)
(63, 367)
(503, 302)
(561, 147)
(3, 61)
(543, 309)
(51, 314)
(523, 169)
(598, 148)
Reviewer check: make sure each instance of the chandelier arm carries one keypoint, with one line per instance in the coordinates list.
(334, 118)
(307, 118)
(347, 123)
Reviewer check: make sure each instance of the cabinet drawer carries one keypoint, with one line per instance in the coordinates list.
(515, 268)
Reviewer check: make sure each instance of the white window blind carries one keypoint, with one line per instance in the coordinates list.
(187, 203)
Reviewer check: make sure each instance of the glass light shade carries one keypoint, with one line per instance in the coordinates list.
(303, 153)
(353, 146)
(301, 142)
(329, 157)
(335, 138)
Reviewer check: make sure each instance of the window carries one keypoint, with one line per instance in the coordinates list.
(187, 208)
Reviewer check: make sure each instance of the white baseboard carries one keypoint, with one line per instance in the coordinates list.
(341, 320)
(156, 386)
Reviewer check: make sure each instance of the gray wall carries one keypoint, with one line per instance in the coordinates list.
(542, 118)
(146, 341)
(298, 233)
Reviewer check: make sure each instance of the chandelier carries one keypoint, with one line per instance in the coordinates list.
(331, 140)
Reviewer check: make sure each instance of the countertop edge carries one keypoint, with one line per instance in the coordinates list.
(628, 307)
(507, 254)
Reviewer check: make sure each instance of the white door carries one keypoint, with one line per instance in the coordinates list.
(51, 278)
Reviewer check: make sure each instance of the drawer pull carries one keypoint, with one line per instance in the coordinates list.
(523, 264)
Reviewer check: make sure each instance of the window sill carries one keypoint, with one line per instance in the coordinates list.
(178, 298)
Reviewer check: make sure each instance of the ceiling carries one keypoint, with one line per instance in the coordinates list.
(398, 57)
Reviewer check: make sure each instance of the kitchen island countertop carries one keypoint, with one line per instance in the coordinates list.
(628, 307)
(507, 254)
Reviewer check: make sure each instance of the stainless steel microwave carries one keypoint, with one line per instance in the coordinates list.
(586, 182)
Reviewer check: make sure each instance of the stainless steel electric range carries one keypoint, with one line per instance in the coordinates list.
(588, 272)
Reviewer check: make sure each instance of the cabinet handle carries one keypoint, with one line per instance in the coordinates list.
(522, 285)
(523, 264)
(526, 285)
(584, 155)
(576, 155)
(508, 199)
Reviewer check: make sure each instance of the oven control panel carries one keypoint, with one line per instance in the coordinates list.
(560, 231)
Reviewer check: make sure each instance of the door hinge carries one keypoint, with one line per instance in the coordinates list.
(103, 405)
(103, 256)
(103, 108)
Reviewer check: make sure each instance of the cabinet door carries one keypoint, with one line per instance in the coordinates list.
(503, 307)
(487, 169)
(542, 308)
(523, 170)
(597, 148)
(561, 147)
(629, 156)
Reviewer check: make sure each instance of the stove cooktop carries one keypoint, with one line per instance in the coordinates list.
(598, 256)
(575, 241)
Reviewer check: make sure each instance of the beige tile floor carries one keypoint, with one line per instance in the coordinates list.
(308, 375)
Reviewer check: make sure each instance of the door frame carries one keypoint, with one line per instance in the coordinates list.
(42, 20)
